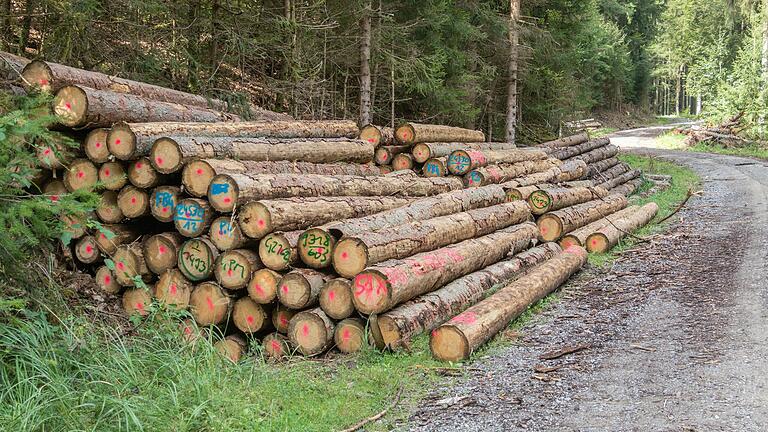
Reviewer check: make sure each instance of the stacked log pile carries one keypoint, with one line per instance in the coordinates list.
(294, 234)
(725, 134)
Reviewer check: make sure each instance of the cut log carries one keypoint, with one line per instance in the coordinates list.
(161, 251)
(260, 218)
(225, 233)
(548, 176)
(130, 264)
(74, 225)
(233, 268)
(424, 151)
(83, 107)
(108, 211)
(336, 298)
(226, 191)
(349, 335)
(386, 169)
(249, 316)
(566, 141)
(403, 161)
(190, 332)
(82, 174)
(198, 174)
(563, 153)
(193, 217)
(572, 170)
(55, 189)
(55, 154)
(620, 180)
(595, 168)
(163, 201)
(496, 174)
(137, 301)
(142, 175)
(605, 238)
(311, 332)
(461, 162)
(611, 173)
(95, 145)
(276, 346)
(106, 280)
(209, 304)
(315, 248)
(196, 259)
(385, 154)
(86, 250)
(232, 347)
(381, 287)
(169, 154)
(628, 188)
(457, 339)
(426, 312)
(411, 133)
(133, 202)
(521, 193)
(12, 65)
(173, 290)
(262, 287)
(377, 135)
(278, 250)
(300, 288)
(579, 237)
(353, 254)
(599, 154)
(435, 167)
(281, 318)
(112, 176)
(550, 199)
(554, 225)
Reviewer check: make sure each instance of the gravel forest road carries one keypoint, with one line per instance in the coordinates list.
(676, 329)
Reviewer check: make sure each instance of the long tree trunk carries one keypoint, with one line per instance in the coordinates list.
(512, 100)
(550, 199)
(461, 162)
(457, 339)
(612, 172)
(554, 225)
(496, 174)
(567, 141)
(412, 133)
(424, 151)
(594, 169)
(627, 188)
(563, 153)
(579, 236)
(365, 66)
(572, 169)
(620, 180)
(599, 154)
(609, 235)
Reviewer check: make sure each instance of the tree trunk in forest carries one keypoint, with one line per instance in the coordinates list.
(412, 133)
(461, 162)
(336, 298)
(26, 26)
(579, 236)
(424, 313)
(196, 259)
(496, 174)
(457, 339)
(546, 200)
(514, 18)
(383, 286)
(763, 67)
(353, 254)
(233, 268)
(609, 235)
(5, 22)
(678, 90)
(311, 331)
(300, 288)
(424, 151)
(365, 66)
(554, 225)
(161, 251)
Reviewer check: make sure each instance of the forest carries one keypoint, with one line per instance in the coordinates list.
(442, 61)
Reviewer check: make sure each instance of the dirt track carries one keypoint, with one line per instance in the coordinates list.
(677, 329)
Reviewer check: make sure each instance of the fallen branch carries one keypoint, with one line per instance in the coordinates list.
(682, 204)
(564, 351)
(377, 416)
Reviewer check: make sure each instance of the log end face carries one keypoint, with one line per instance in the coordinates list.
(196, 178)
(208, 304)
(275, 346)
(371, 134)
(224, 233)
(86, 250)
(349, 335)
(350, 257)
(160, 254)
(316, 248)
(106, 280)
(448, 343)
(230, 349)
(568, 241)
(308, 333)
(82, 174)
(133, 202)
(389, 331)
(248, 316)
(550, 228)
(276, 253)
(402, 161)
(382, 156)
(281, 318)
(195, 260)
(112, 176)
(141, 174)
(121, 141)
(473, 179)
(95, 145)
(166, 156)
(434, 168)
(371, 292)
(262, 287)
(459, 162)
(255, 220)
(540, 202)
(232, 270)
(190, 218)
(163, 203)
(597, 243)
(223, 193)
(421, 153)
(173, 289)
(405, 134)
(137, 301)
(293, 291)
(37, 75)
(108, 211)
(336, 299)
(126, 266)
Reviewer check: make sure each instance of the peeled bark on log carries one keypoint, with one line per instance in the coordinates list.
(169, 154)
(249, 316)
(82, 174)
(133, 202)
(95, 145)
(572, 170)
(196, 259)
(311, 332)
(132, 140)
(353, 254)
(609, 235)
(226, 191)
(385, 154)
(112, 176)
(281, 318)
(566, 141)
(554, 225)
(457, 339)
(349, 335)
(233, 268)
(427, 312)
(403, 161)
(198, 174)
(300, 288)
(108, 211)
(599, 154)
(260, 218)
(163, 201)
(620, 180)
(231, 347)
(83, 107)
(262, 287)
(209, 304)
(377, 135)
(336, 298)
(435, 167)
(411, 133)
(563, 153)
(86, 250)
(595, 168)
(136, 301)
(106, 280)
(610, 173)
(276, 346)
(193, 217)
(142, 175)
(424, 151)
(496, 174)
(551, 199)
(278, 250)
(129, 263)
(173, 289)
(383, 286)
(579, 236)
(628, 188)
(461, 162)
(225, 233)
(161, 251)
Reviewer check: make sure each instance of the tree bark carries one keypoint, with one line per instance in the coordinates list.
(620, 180)
(365, 67)
(196, 259)
(161, 251)
(411, 133)
(568, 141)
(349, 335)
(262, 287)
(461, 162)
(551, 199)
(563, 153)
(427, 312)
(605, 238)
(595, 168)
(163, 201)
(278, 250)
(311, 332)
(599, 154)
(209, 304)
(300, 288)
(423, 151)
(383, 286)
(457, 339)
(554, 225)
(514, 18)
(173, 289)
(233, 268)
(496, 174)
(579, 236)
(611, 173)
(336, 298)
(378, 135)
(627, 188)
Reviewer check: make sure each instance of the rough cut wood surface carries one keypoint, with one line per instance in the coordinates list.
(605, 238)
(554, 225)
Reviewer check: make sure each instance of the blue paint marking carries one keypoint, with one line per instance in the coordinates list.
(219, 188)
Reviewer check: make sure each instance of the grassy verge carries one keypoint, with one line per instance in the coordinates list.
(675, 141)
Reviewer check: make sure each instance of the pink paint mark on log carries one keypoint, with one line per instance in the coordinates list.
(344, 255)
(345, 335)
(80, 174)
(283, 320)
(434, 333)
(68, 106)
(285, 289)
(54, 198)
(43, 81)
(106, 172)
(465, 318)
(200, 171)
(159, 161)
(305, 330)
(227, 200)
(103, 236)
(47, 152)
(89, 249)
(259, 289)
(173, 289)
(276, 347)
(107, 280)
(139, 165)
(117, 141)
(261, 222)
(395, 276)
(250, 319)
(229, 272)
(140, 307)
(371, 140)
(133, 200)
(165, 209)
(187, 331)
(331, 295)
(210, 303)
(121, 266)
(98, 144)
(161, 250)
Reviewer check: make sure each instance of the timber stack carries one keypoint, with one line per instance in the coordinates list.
(302, 236)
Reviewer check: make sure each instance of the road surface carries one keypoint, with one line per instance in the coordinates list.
(677, 329)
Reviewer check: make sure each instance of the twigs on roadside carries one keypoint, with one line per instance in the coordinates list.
(682, 204)
(381, 414)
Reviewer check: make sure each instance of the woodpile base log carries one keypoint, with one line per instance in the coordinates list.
(609, 236)
(86, 250)
(276, 346)
(300, 288)
(262, 287)
(173, 289)
(249, 316)
(231, 347)
(137, 301)
(129, 264)
(281, 318)
(106, 280)
(209, 304)
(311, 332)
(628, 188)
(349, 335)
(336, 298)
(579, 236)
(555, 224)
